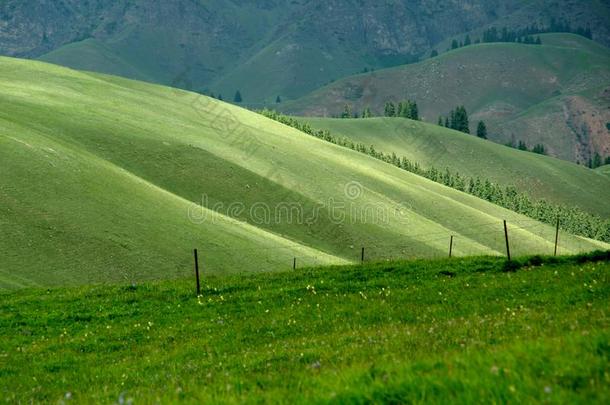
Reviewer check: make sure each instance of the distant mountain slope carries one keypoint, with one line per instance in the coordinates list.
(557, 94)
(103, 179)
(93, 55)
(265, 48)
(430, 145)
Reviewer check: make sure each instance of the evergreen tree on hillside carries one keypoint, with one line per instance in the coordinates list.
(390, 109)
(459, 120)
(447, 123)
(403, 109)
(434, 53)
(597, 160)
(440, 121)
(455, 44)
(278, 100)
(408, 109)
(414, 111)
(539, 149)
(347, 111)
(238, 98)
(588, 33)
(482, 130)
(366, 113)
(522, 146)
(467, 41)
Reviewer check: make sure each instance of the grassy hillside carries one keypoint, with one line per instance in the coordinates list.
(434, 332)
(604, 170)
(497, 83)
(108, 179)
(93, 55)
(433, 146)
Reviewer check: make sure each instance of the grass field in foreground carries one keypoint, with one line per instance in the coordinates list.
(111, 180)
(400, 332)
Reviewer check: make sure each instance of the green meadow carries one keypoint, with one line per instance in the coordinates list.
(111, 180)
(466, 330)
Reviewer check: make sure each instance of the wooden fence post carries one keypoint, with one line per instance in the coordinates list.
(451, 246)
(506, 237)
(556, 237)
(197, 273)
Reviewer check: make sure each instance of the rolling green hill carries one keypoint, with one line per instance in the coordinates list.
(93, 55)
(434, 146)
(438, 332)
(556, 93)
(104, 179)
(604, 170)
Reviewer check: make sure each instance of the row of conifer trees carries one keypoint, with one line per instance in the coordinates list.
(573, 219)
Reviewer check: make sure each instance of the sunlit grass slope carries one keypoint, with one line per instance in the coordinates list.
(431, 145)
(450, 331)
(102, 178)
(605, 169)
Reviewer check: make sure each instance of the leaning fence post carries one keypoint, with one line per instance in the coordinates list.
(556, 237)
(197, 273)
(506, 237)
(294, 264)
(362, 256)
(451, 246)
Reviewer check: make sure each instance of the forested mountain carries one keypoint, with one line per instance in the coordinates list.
(264, 48)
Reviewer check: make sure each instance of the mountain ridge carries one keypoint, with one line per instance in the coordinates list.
(219, 45)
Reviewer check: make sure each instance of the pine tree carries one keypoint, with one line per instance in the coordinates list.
(238, 98)
(440, 121)
(278, 100)
(597, 160)
(522, 146)
(367, 113)
(482, 130)
(434, 53)
(455, 44)
(347, 111)
(413, 111)
(220, 96)
(459, 120)
(539, 149)
(403, 109)
(467, 41)
(390, 109)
